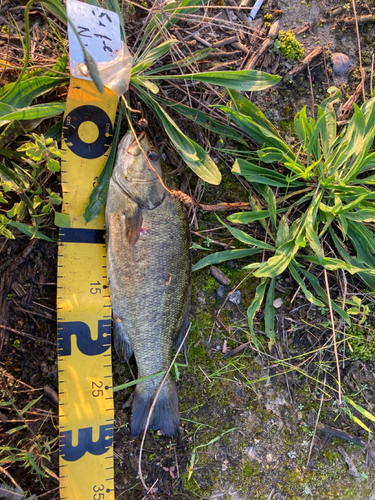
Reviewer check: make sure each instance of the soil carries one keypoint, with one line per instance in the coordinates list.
(249, 421)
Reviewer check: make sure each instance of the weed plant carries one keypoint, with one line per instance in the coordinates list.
(323, 188)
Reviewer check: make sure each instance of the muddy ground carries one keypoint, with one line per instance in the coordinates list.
(255, 424)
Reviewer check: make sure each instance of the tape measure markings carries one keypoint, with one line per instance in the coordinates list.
(84, 325)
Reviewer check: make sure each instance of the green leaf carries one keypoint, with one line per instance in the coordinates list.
(359, 408)
(279, 262)
(247, 108)
(4, 231)
(204, 120)
(29, 231)
(246, 238)
(361, 215)
(194, 156)
(28, 89)
(99, 194)
(309, 296)
(254, 306)
(138, 381)
(53, 165)
(335, 264)
(35, 112)
(269, 314)
(242, 80)
(282, 231)
(143, 82)
(56, 7)
(311, 235)
(17, 180)
(62, 220)
(15, 210)
(150, 56)
(260, 175)
(114, 6)
(268, 195)
(246, 217)
(217, 257)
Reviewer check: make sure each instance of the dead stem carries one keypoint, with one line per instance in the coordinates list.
(333, 335)
(317, 420)
(359, 51)
(152, 409)
(312, 91)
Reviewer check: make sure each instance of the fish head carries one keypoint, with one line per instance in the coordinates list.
(138, 170)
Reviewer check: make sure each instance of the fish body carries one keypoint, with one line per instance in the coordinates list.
(149, 272)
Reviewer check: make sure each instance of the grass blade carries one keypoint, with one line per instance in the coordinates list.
(243, 80)
(254, 306)
(34, 112)
(98, 195)
(217, 257)
(269, 314)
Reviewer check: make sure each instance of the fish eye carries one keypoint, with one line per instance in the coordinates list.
(153, 156)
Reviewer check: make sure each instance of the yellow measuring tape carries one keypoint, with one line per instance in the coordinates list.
(83, 303)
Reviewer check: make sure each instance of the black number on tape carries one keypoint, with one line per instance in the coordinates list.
(85, 444)
(82, 114)
(85, 342)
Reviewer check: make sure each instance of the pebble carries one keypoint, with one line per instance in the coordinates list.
(220, 292)
(340, 64)
(277, 303)
(235, 297)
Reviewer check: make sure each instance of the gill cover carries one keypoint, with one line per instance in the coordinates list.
(133, 173)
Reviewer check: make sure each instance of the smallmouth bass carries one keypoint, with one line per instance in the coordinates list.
(149, 273)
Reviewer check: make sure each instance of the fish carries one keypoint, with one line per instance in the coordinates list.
(149, 274)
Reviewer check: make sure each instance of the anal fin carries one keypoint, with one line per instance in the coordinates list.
(122, 343)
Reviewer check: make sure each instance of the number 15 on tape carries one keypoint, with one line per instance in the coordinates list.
(83, 303)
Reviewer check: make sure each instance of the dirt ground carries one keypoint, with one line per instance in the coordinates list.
(254, 425)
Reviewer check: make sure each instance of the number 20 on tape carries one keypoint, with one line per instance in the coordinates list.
(83, 304)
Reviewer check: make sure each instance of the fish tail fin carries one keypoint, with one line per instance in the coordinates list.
(165, 416)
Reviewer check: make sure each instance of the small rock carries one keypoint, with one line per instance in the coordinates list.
(231, 264)
(340, 64)
(235, 297)
(201, 299)
(277, 303)
(220, 292)
(219, 276)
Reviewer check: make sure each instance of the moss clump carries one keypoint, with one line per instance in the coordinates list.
(290, 47)
(361, 344)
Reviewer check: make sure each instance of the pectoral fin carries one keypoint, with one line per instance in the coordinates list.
(133, 224)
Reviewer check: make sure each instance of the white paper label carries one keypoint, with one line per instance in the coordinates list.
(99, 30)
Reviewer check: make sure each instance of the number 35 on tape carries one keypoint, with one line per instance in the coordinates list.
(83, 304)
